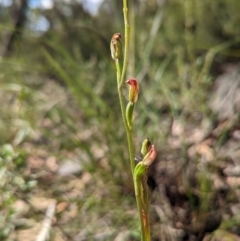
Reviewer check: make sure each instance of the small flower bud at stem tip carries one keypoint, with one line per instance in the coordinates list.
(116, 46)
(133, 90)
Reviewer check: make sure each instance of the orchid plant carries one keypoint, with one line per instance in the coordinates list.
(148, 151)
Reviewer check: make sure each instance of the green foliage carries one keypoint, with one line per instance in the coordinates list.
(12, 182)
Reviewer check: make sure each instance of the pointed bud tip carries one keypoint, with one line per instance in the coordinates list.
(116, 36)
(132, 81)
(153, 152)
(133, 90)
(146, 146)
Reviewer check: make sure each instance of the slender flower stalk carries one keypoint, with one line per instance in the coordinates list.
(127, 38)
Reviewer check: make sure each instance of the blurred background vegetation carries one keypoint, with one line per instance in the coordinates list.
(59, 105)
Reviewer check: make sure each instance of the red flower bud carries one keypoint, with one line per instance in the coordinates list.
(133, 90)
(150, 156)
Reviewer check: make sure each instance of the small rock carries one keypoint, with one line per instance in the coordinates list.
(233, 182)
(236, 134)
(232, 171)
(70, 167)
(225, 101)
(52, 164)
(20, 207)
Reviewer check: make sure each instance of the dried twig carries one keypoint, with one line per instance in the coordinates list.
(44, 232)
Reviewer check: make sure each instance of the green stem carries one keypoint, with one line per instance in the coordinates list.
(146, 203)
(138, 192)
(127, 36)
(141, 191)
(123, 108)
(125, 60)
(119, 73)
